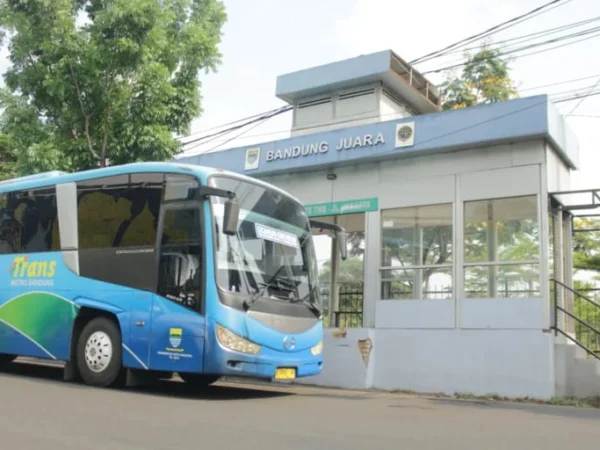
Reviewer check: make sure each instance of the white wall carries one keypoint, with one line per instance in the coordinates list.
(512, 363)
(558, 174)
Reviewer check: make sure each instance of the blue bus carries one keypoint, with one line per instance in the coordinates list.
(156, 269)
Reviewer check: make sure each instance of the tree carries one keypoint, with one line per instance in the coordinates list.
(485, 78)
(586, 244)
(97, 82)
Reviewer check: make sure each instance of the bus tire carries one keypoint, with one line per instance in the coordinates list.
(99, 354)
(6, 359)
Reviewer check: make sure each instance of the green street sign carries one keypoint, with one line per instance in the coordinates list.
(342, 207)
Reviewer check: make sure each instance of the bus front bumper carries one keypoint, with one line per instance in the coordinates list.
(263, 362)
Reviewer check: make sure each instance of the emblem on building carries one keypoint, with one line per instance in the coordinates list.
(252, 159)
(405, 134)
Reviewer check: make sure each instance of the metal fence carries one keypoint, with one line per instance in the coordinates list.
(349, 314)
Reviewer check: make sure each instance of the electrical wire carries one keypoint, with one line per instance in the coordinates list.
(527, 37)
(578, 104)
(496, 28)
(226, 124)
(576, 97)
(595, 30)
(256, 123)
(518, 47)
(268, 114)
(558, 83)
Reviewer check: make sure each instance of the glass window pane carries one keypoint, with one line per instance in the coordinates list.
(419, 236)
(501, 230)
(29, 222)
(409, 284)
(510, 281)
(119, 211)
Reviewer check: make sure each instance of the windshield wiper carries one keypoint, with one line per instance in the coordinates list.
(306, 301)
(264, 286)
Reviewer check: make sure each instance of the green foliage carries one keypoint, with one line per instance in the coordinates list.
(485, 78)
(586, 244)
(96, 82)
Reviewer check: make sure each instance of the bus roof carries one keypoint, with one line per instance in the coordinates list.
(52, 178)
(56, 177)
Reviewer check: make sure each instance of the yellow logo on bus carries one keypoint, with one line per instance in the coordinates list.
(32, 273)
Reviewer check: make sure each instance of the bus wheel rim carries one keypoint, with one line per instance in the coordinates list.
(98, 351)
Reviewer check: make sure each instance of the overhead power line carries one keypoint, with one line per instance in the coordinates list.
(266, 115)
(594, 32)
(576, 97)
(526, 37)
(496, 28)
(257, 121)
(583, 98)
(262, 114)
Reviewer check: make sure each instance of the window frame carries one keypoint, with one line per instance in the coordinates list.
(449, 266)
(177, 206)
(536, 263)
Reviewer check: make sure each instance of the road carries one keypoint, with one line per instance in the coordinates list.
(41, 411)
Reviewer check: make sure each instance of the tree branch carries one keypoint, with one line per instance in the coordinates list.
(105, 137)
(86, 116)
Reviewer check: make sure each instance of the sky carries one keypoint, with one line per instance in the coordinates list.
(284, 36)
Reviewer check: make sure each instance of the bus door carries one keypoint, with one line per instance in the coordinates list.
(178, 322)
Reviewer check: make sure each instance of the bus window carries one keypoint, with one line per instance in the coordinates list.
(180, 267)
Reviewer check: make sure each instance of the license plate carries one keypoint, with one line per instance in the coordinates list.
(285, 374)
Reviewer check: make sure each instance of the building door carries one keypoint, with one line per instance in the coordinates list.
(178, 322)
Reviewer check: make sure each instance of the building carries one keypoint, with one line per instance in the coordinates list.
(451, 214)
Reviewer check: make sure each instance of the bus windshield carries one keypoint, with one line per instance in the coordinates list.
(272, 255)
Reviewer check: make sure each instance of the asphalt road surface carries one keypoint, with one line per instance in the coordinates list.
(42, 412)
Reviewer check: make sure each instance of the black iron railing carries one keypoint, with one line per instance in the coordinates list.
(577, 318)
(349, 313)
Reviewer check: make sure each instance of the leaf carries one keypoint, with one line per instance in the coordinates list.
(116, 87)
(485, 78)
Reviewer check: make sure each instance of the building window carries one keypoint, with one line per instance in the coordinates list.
(416, 253)
(502, 248)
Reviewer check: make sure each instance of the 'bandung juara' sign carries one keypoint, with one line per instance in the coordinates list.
(317, 148)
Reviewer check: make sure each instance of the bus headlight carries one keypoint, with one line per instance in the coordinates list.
(317, 349)
(232, 341)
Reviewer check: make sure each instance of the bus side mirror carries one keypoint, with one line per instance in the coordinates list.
(231, 216)
(342, 238)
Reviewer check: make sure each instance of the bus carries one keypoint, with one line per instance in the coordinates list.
(157, 269)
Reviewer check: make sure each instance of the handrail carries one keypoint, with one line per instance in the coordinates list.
(579, 294)
(591, 328)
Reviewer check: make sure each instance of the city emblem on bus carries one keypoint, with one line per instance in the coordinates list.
(289, 343)
(175, 335)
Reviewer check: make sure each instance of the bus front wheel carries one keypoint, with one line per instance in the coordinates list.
(99, 352)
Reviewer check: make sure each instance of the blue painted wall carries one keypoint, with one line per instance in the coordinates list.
(484, 125)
